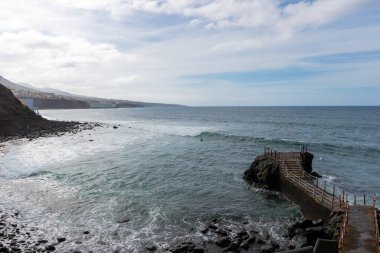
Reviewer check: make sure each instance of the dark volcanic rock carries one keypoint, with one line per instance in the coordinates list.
(307, 232)
(198, 250)
(221, 232)
(223, 242)
(264, 171)
(61, 239)
(50, 248)
(266, 249)
(307, 161)
(151, 247)
(315, 174)
(18, 121)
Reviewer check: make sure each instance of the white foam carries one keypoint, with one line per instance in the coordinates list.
(179, 130)
(44, 153)
(329, 178)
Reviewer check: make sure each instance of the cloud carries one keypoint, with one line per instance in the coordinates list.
(141, 49)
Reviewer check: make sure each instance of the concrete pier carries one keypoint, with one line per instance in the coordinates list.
(360, 233)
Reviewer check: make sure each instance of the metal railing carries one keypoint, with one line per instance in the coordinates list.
(310, 184)
(337, 198)
(343, 229)
(377, 231)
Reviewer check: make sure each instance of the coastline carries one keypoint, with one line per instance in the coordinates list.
(15, 236)
(207, 245)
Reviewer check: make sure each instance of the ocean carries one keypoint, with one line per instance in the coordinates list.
(166, 171)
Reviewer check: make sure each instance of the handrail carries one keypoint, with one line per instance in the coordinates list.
(310, 185)
(305, 181)
(343, 229)
(377, 231)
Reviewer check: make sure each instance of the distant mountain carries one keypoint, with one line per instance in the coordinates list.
(14, 86)
(49, 98)
(57, 92)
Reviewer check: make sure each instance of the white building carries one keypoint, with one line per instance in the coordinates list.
(29, 102)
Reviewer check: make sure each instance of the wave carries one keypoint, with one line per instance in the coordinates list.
(242, 138)
(273, 142)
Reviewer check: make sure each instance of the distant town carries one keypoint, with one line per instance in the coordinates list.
(48, 98)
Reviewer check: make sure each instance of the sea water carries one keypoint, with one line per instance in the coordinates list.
(166, 171)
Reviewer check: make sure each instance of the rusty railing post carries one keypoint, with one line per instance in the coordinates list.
(364, 199)
(374, 200)
(354, 200)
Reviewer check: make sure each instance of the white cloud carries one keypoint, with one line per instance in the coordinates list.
(143, 49)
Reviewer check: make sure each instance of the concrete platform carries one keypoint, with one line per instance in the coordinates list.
(361, 231)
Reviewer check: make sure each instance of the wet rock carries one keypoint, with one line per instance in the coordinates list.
(61, 239)
(301, 224)
(181, 248)
(315, 174)
(86, 232)
(242, 233)
(274, 245)
(307, 161)
(266, 249)
(204, 231)
(265, 235)
(212, 227)
(4, 250)
(264, 172)
(50, 248)
(318, 222)
(124, 220)
(223, 242)
(151, 247)
(221, 232)
(298, 241)
(234, 247)
(198, 250)
(115, 127)
(42, 241)
(259, 240)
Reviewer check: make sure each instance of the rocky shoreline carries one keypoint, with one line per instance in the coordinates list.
(49, 129)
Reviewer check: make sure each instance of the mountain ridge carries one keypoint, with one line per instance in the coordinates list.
(50, 98)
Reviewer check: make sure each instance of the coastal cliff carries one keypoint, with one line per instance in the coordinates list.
(18, 121)
(14, 116)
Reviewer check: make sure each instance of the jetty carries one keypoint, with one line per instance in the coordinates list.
(359, 231)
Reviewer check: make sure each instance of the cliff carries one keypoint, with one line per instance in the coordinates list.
(18, 121)
(14, 116)
(60, 103)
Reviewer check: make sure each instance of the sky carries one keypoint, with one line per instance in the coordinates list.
(197, 52)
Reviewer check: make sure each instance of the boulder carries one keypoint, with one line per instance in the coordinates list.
(307, 161)
(223, 242)
(198, 250)
(151, 247)
(264, 172)
(298, 241)
(266, 249)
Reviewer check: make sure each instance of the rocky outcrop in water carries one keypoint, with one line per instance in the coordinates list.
(264, 172)
(307, 161)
